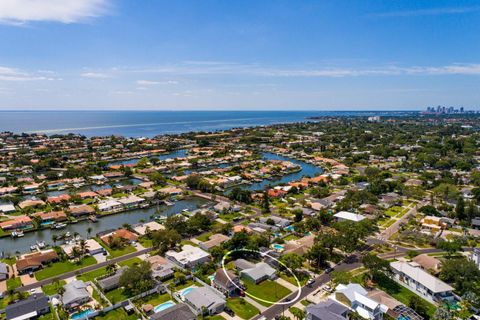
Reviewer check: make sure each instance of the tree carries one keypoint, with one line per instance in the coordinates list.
(419, 306)
(463, 272)
(297, 313)
(265, 203)
(451, 246)
(460, 209)
(340, 277)
(317, 255)
(137, 278)
(443, 313)
(166, 239)
(293, 261)
(376, 266)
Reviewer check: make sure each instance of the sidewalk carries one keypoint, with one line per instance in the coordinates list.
(255, 304)
(286, 284)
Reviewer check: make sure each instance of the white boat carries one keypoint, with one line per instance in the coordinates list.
(33, 248)
(60, 225)
(67, 235)
(41, 244)
(17, 234)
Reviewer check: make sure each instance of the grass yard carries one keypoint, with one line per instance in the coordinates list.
(242, 308)
(267, 290)
(57, 268)
(184, 242)
(114, 253)
(130, 262)
(147, 243)
(215, 317)
(204, 236)
(116, 295)
(117, 314)
(13, 283)
(153, 299)
(305, 303)
(90, 276)
(302, 277)
(51, 289)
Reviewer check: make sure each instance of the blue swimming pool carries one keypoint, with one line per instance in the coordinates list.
(185, 291)
(81, 314)
(278, 246)
(290, 228)
(164, 306)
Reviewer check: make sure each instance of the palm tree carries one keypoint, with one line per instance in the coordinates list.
(111, 268)
(89, 231)
(83, 246)
(54, 239)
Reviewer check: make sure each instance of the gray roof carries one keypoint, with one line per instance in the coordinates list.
(75, 290)
(327, 310)
(111, 281)
(3, 268)
(35, 302)
(177, 312)
(203, 296)
(243, 264)
(260, 271)
(421, 276)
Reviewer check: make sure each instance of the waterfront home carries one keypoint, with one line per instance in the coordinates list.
(87, 194)
(171, 191)
(179, 311)
(213, 241)
(144, 228)
(112, 281)
(75, 295)
(255, 272)
(188, 257)
(348, 216)
(31, 203)
(124, 234)
(7, 208)
(33, 307)
(355, 297)
(4, 271)
(161, 267)
(80, 210)
(34, 261)
(7, 190)
(227, 285)
(421, 282)
(131, 202)
(50, 217)
(327, 310)
(205, 299)
(59, 199)
(17, 222)
(105, 192)
(93, 247)
(109, 205)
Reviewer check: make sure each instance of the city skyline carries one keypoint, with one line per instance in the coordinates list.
(114, 54)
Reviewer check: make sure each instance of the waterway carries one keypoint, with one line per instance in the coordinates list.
(11, 245)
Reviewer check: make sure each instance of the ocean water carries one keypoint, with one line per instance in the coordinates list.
(147, 123)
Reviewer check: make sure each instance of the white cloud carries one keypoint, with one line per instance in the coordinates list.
(153, 83)
(426, 12)
(13, 74)
(95, 75)
(19, 12)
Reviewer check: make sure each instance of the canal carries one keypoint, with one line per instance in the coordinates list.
(11, 245)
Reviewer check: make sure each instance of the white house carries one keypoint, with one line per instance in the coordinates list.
(354, 296)
(349, 216)
(190, 256)
(475, 257)
(421, 282)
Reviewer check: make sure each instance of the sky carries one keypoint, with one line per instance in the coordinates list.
(239, 55)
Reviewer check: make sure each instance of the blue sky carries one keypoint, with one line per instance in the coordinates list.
(242, 55)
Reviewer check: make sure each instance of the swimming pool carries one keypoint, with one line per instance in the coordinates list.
(164, 306)
(185, 291)
(81, 314)
(290, 228)
(278, 247)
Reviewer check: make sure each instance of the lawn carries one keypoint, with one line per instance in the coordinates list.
(51, 289)
(58, 268)
(90, 276)
(242, 308)
(117, 314)
(14, 283)
(116, 295)
(302, 277)
(147, 243)
(204, 236)
(114, 253)
(130, 262)
(153, 299)
(268, 290)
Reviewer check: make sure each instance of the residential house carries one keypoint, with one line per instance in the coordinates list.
(205, 298)
(75, 295)
(161, 267)
(143, 228)
(7, 208)
(299, 246)
(348, 216)
(255, 272)
(109, 205)
(112, 281)
(190, 256)
(429, 263)
(396, 309)
(179, 311)
(433, 223)
(214, 240)
(475, 256)
(421, 282)
(31, 203)
(4, 271)
(226, 282)
(81, 210)
(131, 202)
(327, 310)
(18, 222)
(279, 222)
(59, 199)
(124, 234)
(355, 297)
(50, 217)
(34, 261)
(33, 307)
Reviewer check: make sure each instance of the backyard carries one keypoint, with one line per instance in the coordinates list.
(61, 267)
(242, 308)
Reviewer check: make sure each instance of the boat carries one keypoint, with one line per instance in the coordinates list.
(17, 234)
(67, 235)
(33, 248)
(93, 218)
(168, 203)
(41, 244)
(59, 225)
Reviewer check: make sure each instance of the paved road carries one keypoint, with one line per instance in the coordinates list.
(391, 230)
(83, 270)
(271, 312)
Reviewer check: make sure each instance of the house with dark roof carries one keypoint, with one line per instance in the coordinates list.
(30, 308)
(228, 285)
(4, 273)
(35, 261)
(76, 294)
(327, 310)
(111, 282)
(177, 312)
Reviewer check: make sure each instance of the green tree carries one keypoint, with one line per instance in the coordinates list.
(137, 278)
(419, 306)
